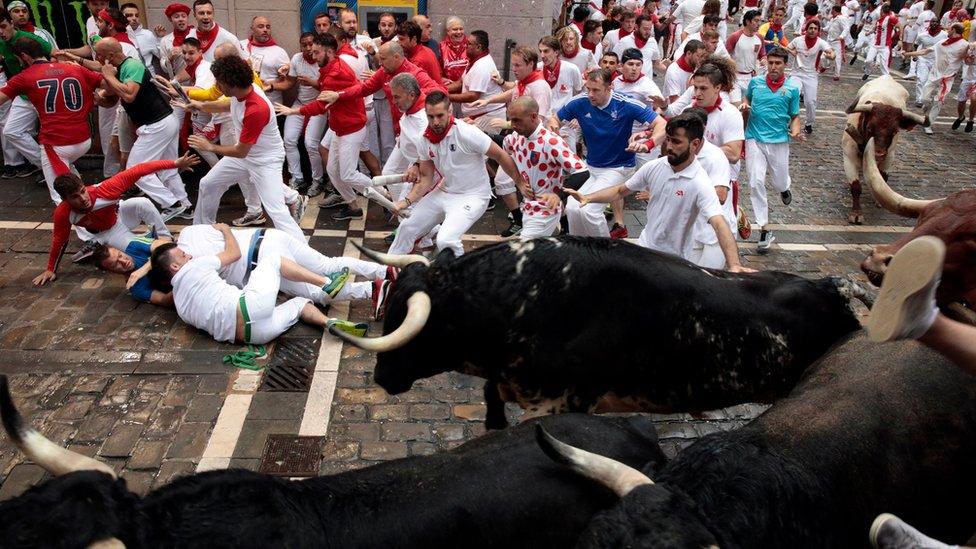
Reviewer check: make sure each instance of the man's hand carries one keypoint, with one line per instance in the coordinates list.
(497, 78)
(552, 201)
(797, 134)
(399, 206)
(741, 269)
(199, 143)
(412, 174)
(478, 104)
(222, 227)
(109, 70)
(643, 195)
(188, 160)
(523, 186)
(329, 97)
(160, 31)
(498, 123)
(369, 46)
(744, 106)
(44, 278)
(581, 198)
(368, 73)
(283, 70)
(553, 125)
(164, 84)
(306, 81)
(287, 111)
(658, 101)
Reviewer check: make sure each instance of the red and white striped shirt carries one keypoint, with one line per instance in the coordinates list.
(887, 30)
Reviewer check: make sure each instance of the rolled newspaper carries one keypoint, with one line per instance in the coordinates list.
(389, 179)
(375, 196)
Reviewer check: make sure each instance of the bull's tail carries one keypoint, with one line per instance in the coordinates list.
(852, 289)
(52, 457)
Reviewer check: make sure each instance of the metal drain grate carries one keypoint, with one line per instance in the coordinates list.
(292, 456)
(291, 366)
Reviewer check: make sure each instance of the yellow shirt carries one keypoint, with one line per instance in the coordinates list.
(212, 93)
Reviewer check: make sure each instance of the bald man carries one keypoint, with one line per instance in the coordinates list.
(157, 129)
(546, 162)
(427, 37)
(267, 58)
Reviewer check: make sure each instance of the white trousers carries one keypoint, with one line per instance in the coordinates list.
(295, 127)
(10, 155)
(877, 55)
(264, 175)
(132, 213)
(571, 133)
(808, 84)
(384, 125)
(106, 121)
(455, 212)
(934, 94)
(537, 226)
(397, 164)
(922, 70)
(58, 160)
(230, 136)
(159, 141)
(268, 320)
(589, 220)
(709, 256)
(839, 49)
(759, 157)
(20, 129)
(343, 166)
(742, 82)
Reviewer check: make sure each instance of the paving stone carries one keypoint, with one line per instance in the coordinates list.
(122, 440)
(75, 407)
(171, 469)
(254, 434)
(406, 431)
(21, 478)
(165, 421)
(204, 408)
(349, 412)
(212, 384)
(245, 463)
(389, 412)
(381, 451)
(447, 431)
(274, 405)
(340, 451)
(471, 412)
(373, 395)
(148, 454)
(430, 411)
(139, 482)
(190, 440)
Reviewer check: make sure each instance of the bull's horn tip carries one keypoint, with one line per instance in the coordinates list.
(550, 445)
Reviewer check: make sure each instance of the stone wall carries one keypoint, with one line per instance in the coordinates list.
(236, 15)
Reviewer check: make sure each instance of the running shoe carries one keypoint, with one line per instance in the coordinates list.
(357, 329)
(618, 231)
(905, 306)
(786, 196)
(890, 532)
(315, 188)
(347, 213)
(172, 211)
(332, 200)
(297, 208)
(335, 281)
(766, 239)
(187, 213)
(27, 169)
(957, 122)
(513, 229)
(86, 251)
(250, 219)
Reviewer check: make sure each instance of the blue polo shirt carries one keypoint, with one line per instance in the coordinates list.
(607, 130)
(139, 249)
(769, 121)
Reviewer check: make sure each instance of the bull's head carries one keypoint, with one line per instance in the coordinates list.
(86, 505)
(648, 514)
(882, 122)
(953, 220)
(404, 351)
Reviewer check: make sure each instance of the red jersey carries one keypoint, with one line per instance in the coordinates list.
(424, 57)
(886, 31)
(348, 115)
(104, 206)
(381, 80)
(62, 94)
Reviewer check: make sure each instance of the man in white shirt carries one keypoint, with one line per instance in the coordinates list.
(685, 13)
(478, 82)
(20, 15)
(303, 71)
(144, 39)
(806, 49)
(838, 34)
(564, 80)
(170, 56)
(678, 76)
(746, 49)
(643, 39)
(628, 20)
(680, 193)
(926, 40)
(456, 151)
(949, 57)
(265, 55)
(409, 100)
(208, 32)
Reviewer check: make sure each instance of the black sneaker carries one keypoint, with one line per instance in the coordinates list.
(346, 212)
(808, 129)
(513, 229)
(853, 59)
(491, 204)
(957, 122)
(8, 172)
(27, 170)
(787, 197)
(187, 213)
(969, 126)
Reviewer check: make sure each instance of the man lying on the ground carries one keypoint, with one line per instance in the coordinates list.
(240, 315)
(99, 210)
(201, 240)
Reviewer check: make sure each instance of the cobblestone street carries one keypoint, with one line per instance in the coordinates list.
(128, 383)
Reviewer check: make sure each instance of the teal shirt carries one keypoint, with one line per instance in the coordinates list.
(11, 63)
(771, 112)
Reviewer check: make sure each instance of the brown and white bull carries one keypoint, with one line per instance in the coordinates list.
(878, 111)
(951, 219)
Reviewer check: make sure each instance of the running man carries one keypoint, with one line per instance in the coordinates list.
(807, 49)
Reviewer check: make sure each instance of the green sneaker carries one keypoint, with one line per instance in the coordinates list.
(336, 281)
(357, 329)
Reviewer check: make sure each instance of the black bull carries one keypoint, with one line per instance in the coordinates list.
(497, 491)
(871, 428)
(581, 324)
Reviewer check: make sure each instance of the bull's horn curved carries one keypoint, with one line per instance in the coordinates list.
(50, 456)
(611, 473)
(866, 108)
(915, 117)
(886, 196)
(393, 260)
(418, 310)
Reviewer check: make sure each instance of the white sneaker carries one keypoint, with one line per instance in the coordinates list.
(905, 307)
(890, 532)
(766, 239)
(173, 211)
(927, 130)
(333, 200)
(296, 183)
(315, 189)
(249, 219)
(297, 208)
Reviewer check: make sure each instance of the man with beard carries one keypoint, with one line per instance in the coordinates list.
(267, 58)
(410, 36)
(680, 192)
(643, 39)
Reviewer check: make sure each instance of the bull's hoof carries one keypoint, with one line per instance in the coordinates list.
(856, 218)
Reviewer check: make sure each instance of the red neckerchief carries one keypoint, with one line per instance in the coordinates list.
(588, 45)
(532, 77)
(935, 32)
(640, 42)
(683, 64)
(623, 34)
(252, 44)
(346, 49)
(192, 69)
(307, 56)
(180, 36)
(776, 28)
(418, 104)
(624, 78)
(472, 60)
(775, 85)
(551, 75)
(952, 13)
(951, 41)
(436, 138)
(579, 26)
(459, 49)
(572, 55)
(207, 38)
(710, 110)
(123, 37)
(104, 15)
(810, 42)
(28, 27)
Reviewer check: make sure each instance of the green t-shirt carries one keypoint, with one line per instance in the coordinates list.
(11, 63)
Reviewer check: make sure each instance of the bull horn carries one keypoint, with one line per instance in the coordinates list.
(866, 108)
(418, 309)
(110, 543)
(50, 456)
(393, 260)
(915, 117)
(611, 473)
(886, 196)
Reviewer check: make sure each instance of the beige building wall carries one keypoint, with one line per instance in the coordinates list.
(236, 15)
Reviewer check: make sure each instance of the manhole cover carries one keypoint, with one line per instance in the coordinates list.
(292, 456)
(291, 366)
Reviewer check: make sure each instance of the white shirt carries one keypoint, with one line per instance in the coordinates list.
(265, 61)
(359, 63)
(923, 20)
(583, 60)
(477, 78)
(166, 48)
(927, 41)
(300, 67)
(725, 126)
(746, 53)
(650, 50)
(91, 31)
(713, 161)
(948, 59)
(839, 28)
(914, 11)
(678, 201)
(687, 10)
(269, 146)
(223, 36)
(147, 44)
(411, 139)
(854, 10)
(806, 58)
(203, 300)
(676, 80)
(610, 40)
(719, 46)
(543, 159)
(569, 82)
(204, 240)
(460, 159)
(539, 91)
(46, 36)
